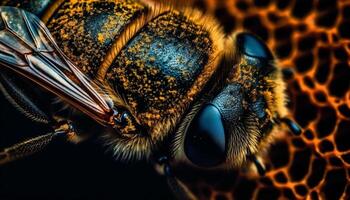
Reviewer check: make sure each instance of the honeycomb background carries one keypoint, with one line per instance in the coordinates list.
(312, 39)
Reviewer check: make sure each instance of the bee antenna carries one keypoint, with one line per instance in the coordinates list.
(260, 167)
(177, 187)
(292, 125)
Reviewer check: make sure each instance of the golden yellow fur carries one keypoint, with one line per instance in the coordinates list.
(136, 148)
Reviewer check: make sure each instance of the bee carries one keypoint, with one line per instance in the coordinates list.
(157, 82)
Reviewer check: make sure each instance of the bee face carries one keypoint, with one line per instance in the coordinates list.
(164, 80)
(235, 122)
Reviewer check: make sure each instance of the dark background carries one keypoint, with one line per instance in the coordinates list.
(67, 171)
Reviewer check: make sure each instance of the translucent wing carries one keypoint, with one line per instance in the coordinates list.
(27, 48)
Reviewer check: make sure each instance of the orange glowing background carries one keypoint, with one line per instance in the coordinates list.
(312, 38)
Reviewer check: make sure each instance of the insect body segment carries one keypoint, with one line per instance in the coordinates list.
(28, 49)
(161, 61)
(162, 69)
(153, 81)
(88, 30)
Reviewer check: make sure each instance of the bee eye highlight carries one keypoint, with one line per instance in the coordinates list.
(205, 138)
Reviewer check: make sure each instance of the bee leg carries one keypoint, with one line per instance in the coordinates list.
(34, 145)
(20, 99)
(293, 126)
(260, 167)
(178, 188)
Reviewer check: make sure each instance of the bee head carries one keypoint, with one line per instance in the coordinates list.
(206, 140)
(230, 127)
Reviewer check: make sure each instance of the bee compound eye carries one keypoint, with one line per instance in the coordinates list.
(205, 141)
(251, 45)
